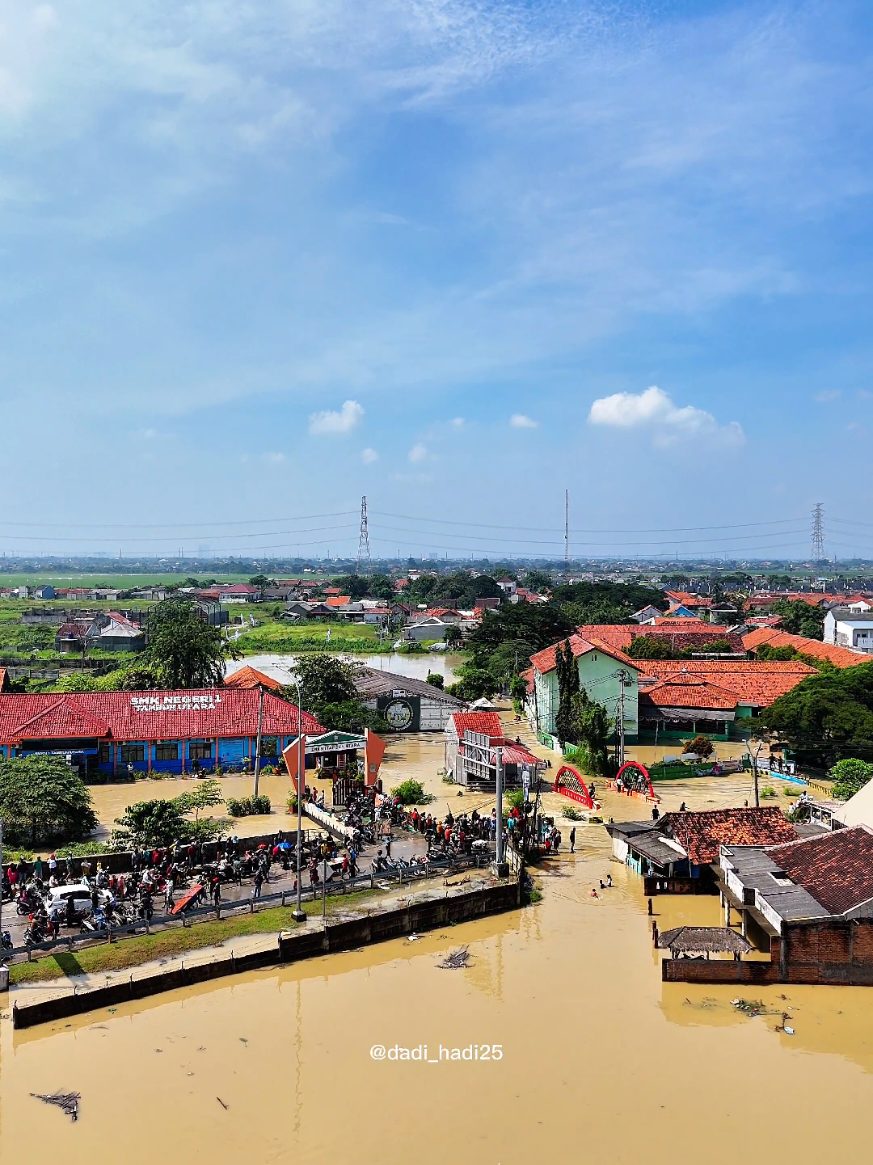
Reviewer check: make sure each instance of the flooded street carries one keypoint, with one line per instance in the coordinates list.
(600, 1059)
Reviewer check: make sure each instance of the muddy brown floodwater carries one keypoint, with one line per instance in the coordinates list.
(600, 1060)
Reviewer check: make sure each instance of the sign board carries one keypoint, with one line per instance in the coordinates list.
(525, 783)
(353, 742)
(170, 703)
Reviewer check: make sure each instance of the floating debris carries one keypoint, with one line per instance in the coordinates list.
(789, 1031)
(223, 1105)
(456, 960)
(750, 1006)
(68, 1101)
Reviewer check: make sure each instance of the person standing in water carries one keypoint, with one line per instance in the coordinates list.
(573, 840)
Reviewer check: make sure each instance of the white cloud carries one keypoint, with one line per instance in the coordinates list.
(331, 421)
(418, 453)
(457, 423)
(273, 458)
(368, 456)
(655, 409)
(520, 421)
(828, 395)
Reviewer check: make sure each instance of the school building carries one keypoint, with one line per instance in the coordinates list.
(160, 732)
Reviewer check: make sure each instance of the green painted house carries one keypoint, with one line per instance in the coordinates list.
(602, 672)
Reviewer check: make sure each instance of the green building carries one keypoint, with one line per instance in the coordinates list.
(607, 675)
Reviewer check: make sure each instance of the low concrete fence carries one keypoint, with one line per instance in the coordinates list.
(379, 926)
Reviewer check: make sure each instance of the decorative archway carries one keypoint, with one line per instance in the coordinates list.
(569, 783)
(637, 778)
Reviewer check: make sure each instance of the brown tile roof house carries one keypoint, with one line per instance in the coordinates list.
(690, 691)
(835, 868)
(838, 656)
(702, 834)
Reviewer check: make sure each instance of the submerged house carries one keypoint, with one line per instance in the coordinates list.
(680, 851)
(471, 742)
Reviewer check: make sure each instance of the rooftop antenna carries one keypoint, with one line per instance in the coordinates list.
(364, 542)
(818, 532)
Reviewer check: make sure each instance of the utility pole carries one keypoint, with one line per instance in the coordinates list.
(755, 774)
(567, 533)
(260, 736)
(620, 719)
(498, 766)
(298, 914)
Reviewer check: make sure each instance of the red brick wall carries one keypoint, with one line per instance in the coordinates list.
(834, 952)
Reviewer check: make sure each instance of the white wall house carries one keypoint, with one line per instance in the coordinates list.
(846, 628)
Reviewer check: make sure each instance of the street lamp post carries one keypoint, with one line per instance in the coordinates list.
(298, 914)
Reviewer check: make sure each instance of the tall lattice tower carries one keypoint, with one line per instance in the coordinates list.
(818, 532)
(364, 542)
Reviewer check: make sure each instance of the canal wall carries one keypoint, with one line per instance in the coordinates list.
(291, 946)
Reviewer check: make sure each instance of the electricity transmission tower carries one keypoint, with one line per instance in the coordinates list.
(818, 532)
(567, 533)
(364, 542)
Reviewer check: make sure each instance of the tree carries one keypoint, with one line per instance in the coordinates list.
(453, 637)
(568, 687)
(649, 647)
(473, 683)
(849, 777)
(435, 680)
(701, 745)
(536, 624)
(799, 618)
(147, 824)
(42, 798)
(381, 587)
(259, 580)
(324, 679)
(205, 795)
(163, 822)
(537, 581)
(183, 649)
(604, 602)
(351, 716)
(592, 728)
(826, 717)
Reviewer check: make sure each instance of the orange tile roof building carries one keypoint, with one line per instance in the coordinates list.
(772, 637)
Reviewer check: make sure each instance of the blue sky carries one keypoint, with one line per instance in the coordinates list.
(259, 258)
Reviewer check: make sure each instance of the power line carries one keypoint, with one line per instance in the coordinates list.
(171, 525)
(607, 530)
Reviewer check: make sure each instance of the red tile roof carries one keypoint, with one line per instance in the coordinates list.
(488, 723)
(814, 600)
(544, 661)
(690, 691)
(683, 623)
(249, 677)
(208, 712)
(338, 601)
(687, 599)
(836, 868)
(517, 754)
(701, 834)
(838, 656)
(754, 682)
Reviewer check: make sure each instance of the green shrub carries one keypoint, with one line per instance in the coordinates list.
(411, 792)
(571, 814)
(768, 791)
(249, 806)
(849, 776)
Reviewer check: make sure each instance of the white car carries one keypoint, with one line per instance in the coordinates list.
(80, 892)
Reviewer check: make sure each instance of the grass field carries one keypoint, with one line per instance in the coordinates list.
(132, 952)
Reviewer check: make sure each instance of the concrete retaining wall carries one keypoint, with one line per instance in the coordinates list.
(291, 946)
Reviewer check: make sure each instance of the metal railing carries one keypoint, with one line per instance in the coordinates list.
(335, 888)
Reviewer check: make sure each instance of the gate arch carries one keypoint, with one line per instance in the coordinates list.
(639, 780)
(569, 783)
